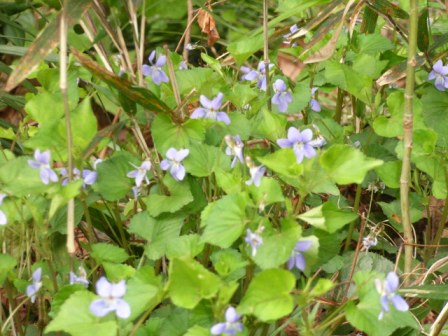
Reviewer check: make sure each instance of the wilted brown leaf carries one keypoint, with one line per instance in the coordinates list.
(208, 25)
(291, 66)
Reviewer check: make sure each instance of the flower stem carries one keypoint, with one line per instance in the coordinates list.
(407, 136)
(266, 51)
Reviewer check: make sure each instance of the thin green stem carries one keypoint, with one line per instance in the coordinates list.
(443, 219)
(408, 116)
(266, 51)
(353, 223)
(339, 103)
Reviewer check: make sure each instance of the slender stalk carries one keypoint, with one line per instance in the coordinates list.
(407, 138)
(266, 51)
(187, 39)
(353, 223)
(339, 103)
(173, 81)
(68, 126)
(440, 322)
(443, 219)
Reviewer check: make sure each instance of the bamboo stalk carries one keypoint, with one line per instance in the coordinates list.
(407, 136)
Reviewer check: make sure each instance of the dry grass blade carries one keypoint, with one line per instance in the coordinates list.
(44, 44)
(208, 25)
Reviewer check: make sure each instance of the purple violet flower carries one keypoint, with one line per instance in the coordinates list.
(314, 104)
(88, 177)
(282, 96)
(254, 239)
(231, 326)
(259, 74)
(139, 174)
(155, 69)
(111, 299)
(81, 279)
(42, 162)
(297, 258)
(210, 109)
(440, 74)
(173, 162)
(300, 142)
(183, 65)
(32, 289)
(3, 218)
(293, 29)
(234, 148)
(387, 289)
(256, 172)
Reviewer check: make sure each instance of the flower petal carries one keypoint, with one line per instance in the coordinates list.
(3, 218)
(103, 287)
(123, 310)
(399, 303)
(300, 261)
(231, 315)
(198, 113)
(165, 164)
(391, 284)
(118, 289)
(205, 102)
(100, 308)
(181, 154)
(218, 329)
(223, 116)
(171, 153)
(303, 246)
(178, 172)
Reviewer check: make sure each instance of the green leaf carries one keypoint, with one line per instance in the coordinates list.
(224, 220)
(268, 296)
(158, 232)
(75, 318)
(390, 173)
(61, 296)
(179, 195)
(328, 217)
(199, 79)
(393, 209)
(435, 292)
(143, 291)
(204, 159)
(283, 162)
(229, 264)
(190, 282)
(345, 164)
(112, 182)
(184, 246)
(84, 126)
(167, 134)
(54, 107)
(349, 80)
(7, 264)
(434, 113)
(373, 44)
(107, 252)
(269, 125)
(117, 272)
(267, 193)
(241, 50)
(276, 248)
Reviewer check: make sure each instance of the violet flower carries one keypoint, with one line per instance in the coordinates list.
(173, 163)
(301, 143)
(297, 258)
(293, 29)
(155, 69)
(282, 96)
(254, 239)
(259, 74)
(231, 326)
(3, 218)
(256, 172)
(88, 176)
(440, 74)
(183, 65)
(140, 173)
(210, 109)
(36, 284)
(42, 162)
(234, 148)
(111, 299)
(81, 279)
(387, 289)
(368, 242)
(314, 104)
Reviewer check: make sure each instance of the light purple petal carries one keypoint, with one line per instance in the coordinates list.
(438, 67)
(262, 82)
(37, 275)
(132, 173)
(146, 165)
(178, 172)
(303, 246)
(2, 197)
(299, 153)
(231, 315)
(118, 289)
(198, 113)
(391, 284)
(123, 310)
(217, 101)
(279, 85)
(103, 287)
(291, 262)
(3, 218)
(89, 176)
(307, 135)
(284, 143)
(432, 75)
(205, 102)
(218, 329)
(161, 61)
(300, 261)
(222, 116)
(315, 105)
(440, 83)
(313, 90)
(171, 153)
(294, 135)
(181, 154)
(42, 157)
(151, 57)
(384, 303)
(100, 308)
(159, 76)
(399, 303)
(308, 151)
(34, 164)
(165, 164)
(146, 70)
